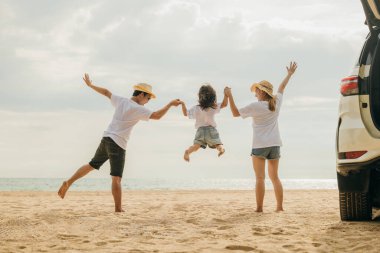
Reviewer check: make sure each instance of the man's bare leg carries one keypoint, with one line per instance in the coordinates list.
(190, 150)
(81, 172)
(221, 149)
(116, 192)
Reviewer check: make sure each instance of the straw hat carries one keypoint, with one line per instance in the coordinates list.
(145, 88)
(265, 86)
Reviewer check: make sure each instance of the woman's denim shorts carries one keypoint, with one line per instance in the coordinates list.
(269, 153)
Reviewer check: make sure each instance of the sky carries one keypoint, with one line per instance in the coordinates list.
(51, 123)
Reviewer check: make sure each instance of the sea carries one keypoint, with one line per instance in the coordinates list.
(104, 184)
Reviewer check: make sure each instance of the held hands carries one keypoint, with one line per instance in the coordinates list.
(292, 68)
(175, 102)
(87, 79)
(227, 91)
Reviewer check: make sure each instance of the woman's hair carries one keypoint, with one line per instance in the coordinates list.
(207, 97)
(271, 102)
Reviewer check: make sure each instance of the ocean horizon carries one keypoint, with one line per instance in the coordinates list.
(104, 184)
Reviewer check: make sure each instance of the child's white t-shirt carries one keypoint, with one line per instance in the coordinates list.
(266, 132)
(203, 117)
(127, 114)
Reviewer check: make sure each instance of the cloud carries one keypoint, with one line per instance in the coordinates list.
(174, 44)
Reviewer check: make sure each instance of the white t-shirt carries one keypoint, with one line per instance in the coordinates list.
(264, 123)
(127, 114)
(203, 117)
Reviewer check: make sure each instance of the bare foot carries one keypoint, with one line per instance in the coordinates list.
(221, 152)
(64, 187)
(186, 156)
(259, 210)
(279, 210)
(119, 210)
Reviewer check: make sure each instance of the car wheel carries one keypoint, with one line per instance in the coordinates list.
(355, 206)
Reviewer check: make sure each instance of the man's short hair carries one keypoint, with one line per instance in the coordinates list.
(138, 92)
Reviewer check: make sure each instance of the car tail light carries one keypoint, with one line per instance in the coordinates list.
(351, 154)
(349, 86)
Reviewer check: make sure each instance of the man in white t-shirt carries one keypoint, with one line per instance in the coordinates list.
(113, 144)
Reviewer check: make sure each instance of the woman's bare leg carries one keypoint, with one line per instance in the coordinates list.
(273, 175)
(259, 167)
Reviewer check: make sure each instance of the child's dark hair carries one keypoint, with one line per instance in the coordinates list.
(207, 97)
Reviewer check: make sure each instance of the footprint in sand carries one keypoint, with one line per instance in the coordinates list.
(224, 227)
(67, 237)
(192, 221)
(115, 241)
(280, 231)
(239, 247)
(182, 240)
(218, 220)
(258, 231)
(289, 246)
(134, 251)
(156, 207)
(207, 232)
(100, 243)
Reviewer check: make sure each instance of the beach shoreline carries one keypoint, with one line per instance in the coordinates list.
(179, 221)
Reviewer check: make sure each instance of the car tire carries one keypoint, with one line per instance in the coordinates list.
(355, 206)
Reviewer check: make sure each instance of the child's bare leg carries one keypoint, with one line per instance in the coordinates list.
(190, 150)
(221, 149)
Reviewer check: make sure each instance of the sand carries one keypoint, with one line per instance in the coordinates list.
(180, 221)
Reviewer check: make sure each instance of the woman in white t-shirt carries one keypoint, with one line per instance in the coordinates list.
(204, 115)
(266, 135)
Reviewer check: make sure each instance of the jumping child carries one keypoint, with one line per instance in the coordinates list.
(204, 114)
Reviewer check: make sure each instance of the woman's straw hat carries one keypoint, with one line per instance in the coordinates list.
(265, 86)
(145, 88)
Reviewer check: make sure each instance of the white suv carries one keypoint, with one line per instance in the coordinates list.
(358, 132)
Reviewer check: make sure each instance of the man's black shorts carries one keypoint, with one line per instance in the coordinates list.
(108, 149)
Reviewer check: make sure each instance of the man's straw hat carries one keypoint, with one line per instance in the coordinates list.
(145, 88)
(265, 86)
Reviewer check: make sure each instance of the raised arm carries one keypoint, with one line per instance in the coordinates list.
(100, 90)
(234, 109)
(291, 69)
(224, 102)
(184, 109)
(158, 114)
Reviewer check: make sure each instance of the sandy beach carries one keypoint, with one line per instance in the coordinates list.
(180, 221)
